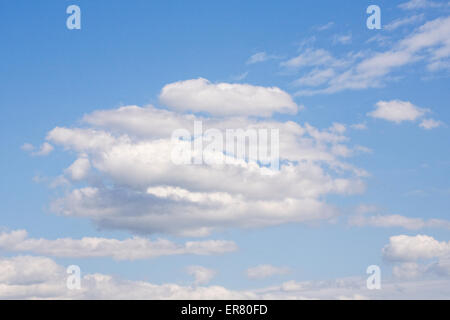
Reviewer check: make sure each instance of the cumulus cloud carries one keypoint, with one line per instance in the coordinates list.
(429, 124)
(412, 248)
(79, 169)
(265, 271)
(419, 256)
(226, 99)
(28, 277)
(45, 149)
(132, 147)
(129, 249)
(397, 111)
(201, 274)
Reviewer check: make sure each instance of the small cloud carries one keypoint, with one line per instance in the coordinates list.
(397, 111)
(429, 124)
(403, 21)
(240, 77)
(380, 39)
(342, 39)
(265, 271)
(27, 147)
(359, 126)
(420, 4)
(201, 274)
(325, 26)
(260, 57)
(45, 149)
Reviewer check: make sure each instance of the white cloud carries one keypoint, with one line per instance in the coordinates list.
(429, 124)
(129, 249)
(429, 44)
(260, 57)
(342, 39)
(130, 148)
(316, 77)
(265, 271)
(397, 111)
(225, 99)
(412, 248)
(41, 278)
(412, 255)
(397, 23)
(45, 149)
(395, 220)
(241, 76)
(407, 270)
(201, 274)
(325, 26)
(359, 126)
(421, 4)
(311, 57)
(79, 169)
(27, 147)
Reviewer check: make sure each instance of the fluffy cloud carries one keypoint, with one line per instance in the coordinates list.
(45, 149)
(128, 249)
(201, 274)
(430, 124)
(79, 169)
(412, 255)
(132, 148)
(411, 248)
(41, 278)
(397, 111)
(265, 271)
(225, 99)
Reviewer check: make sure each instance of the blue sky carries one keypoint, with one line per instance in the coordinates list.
(392, 104)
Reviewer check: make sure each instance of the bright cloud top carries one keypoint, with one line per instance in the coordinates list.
(407, 248)
(225, 99)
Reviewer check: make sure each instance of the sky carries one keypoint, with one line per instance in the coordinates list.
(87, 176)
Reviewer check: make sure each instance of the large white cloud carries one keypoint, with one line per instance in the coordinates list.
(225, 99)
(130, 149)
(418, 256)
(128, 249)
